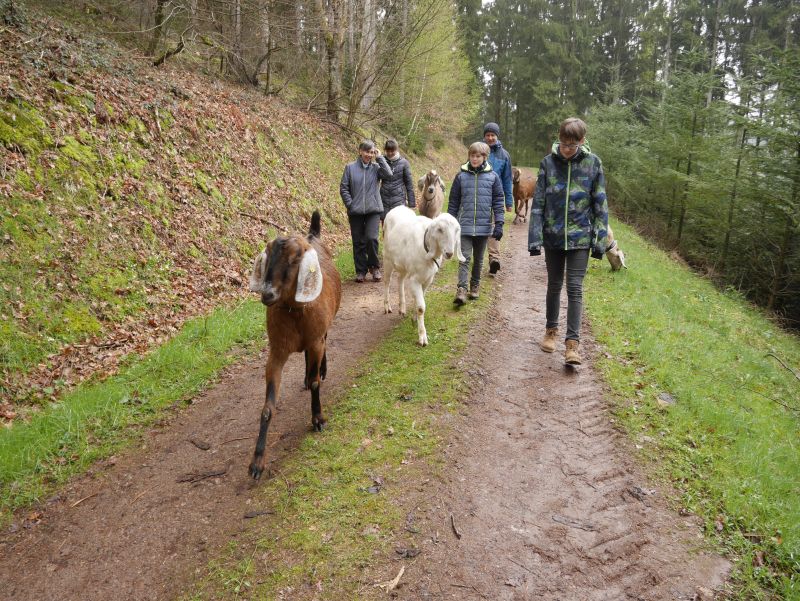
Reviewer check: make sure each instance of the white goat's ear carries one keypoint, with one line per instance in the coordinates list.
(309, 278)
(257, 275)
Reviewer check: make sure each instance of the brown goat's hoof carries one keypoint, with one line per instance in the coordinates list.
(255, 472)
(319, 423)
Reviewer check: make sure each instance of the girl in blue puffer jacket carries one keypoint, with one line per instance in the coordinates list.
(475, 195)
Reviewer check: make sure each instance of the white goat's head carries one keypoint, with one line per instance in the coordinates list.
(288, 269)
(443, 237)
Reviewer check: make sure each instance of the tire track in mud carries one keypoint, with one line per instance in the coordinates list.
(130, 529)
(548, 501)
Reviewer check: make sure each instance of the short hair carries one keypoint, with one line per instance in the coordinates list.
(479, 148)
(391, 144)
(572, 129)
(366, 145)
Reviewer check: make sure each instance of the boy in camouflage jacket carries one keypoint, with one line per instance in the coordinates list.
(569, 218)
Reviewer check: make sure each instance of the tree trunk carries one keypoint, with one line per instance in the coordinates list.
(667, 50)
(732, 203)
(498, 97)
(369, 42)
(333, 36)
(155, 38)
(777, 278)
(685, 197)
(712, 63)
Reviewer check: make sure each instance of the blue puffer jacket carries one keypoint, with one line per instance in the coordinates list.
(474, 196)
(500, 161)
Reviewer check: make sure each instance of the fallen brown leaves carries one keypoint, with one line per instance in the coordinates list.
(178, 128)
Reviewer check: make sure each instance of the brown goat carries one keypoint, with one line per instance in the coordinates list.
(301, 288)
(524, 187)
(431, 194)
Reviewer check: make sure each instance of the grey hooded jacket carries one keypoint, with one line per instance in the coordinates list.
(474, 196)
(359, 188)
(398, 187)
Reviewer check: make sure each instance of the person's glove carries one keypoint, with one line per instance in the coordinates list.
(498, 231)
(597, 254)
(536, 251)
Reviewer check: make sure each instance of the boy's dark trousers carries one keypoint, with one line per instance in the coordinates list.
(574, 262)
(364, 231)
(471, 245)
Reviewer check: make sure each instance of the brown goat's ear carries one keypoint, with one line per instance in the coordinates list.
(309, 278)
(257, 275)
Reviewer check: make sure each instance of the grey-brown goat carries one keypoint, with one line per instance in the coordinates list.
(301, 288)
(431, 199)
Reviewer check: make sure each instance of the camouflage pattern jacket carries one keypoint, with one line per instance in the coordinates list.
(569, 207)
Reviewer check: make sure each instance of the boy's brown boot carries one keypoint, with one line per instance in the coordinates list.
(474, 291)
(571, 356)
(548, 343)
(461, 296)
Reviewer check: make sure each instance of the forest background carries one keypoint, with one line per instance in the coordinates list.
(692, 104)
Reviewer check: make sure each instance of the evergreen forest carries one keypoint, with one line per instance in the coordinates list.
(692, 105)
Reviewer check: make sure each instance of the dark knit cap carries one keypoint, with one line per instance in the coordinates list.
(492, 127)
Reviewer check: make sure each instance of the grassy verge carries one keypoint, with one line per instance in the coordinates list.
(333, 498)
(696, 387)
(95, 419)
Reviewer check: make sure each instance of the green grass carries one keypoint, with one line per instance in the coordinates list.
(328, 526)
(727, 446)
(95, 419)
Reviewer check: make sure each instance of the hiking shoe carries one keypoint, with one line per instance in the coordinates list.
(360, 277)
(474, 292)
(461, 296)
(571, 356)
(377, 276)
(548, 343)
(494, 267)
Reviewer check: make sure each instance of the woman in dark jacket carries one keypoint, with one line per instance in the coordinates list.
(397, 190)
(476, 196)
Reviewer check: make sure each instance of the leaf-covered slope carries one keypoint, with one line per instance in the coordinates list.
(133, 198)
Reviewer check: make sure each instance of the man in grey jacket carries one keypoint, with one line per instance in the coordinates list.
(398, 190)
(361, 195)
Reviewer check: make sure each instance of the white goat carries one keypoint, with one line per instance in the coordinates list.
(414, 246)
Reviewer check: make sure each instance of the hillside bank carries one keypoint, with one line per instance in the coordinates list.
(135, 198)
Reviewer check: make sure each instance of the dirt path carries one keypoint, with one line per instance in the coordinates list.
(140, 532)
(540, 484)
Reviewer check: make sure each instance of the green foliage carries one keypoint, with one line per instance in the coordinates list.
(97, 418)
(22, 127)
(728, 443)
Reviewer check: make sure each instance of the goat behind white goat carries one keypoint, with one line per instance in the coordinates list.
(414, 246)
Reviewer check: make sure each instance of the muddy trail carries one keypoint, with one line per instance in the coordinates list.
(538, 483)
(136, 527)
(540, 498)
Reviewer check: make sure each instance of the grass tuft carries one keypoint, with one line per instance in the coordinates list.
(697, 387)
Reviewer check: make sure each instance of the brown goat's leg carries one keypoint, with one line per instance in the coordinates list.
(316, 355)
(323, 366)
(305, 379)
(274, 369)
